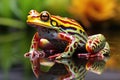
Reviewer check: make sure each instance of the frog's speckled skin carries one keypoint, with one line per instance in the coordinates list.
(63, 35)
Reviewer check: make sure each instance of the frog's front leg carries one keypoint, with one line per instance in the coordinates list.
(97, 44)
(72, 45)
(35, 55)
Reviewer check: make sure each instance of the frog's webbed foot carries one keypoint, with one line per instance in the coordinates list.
(34, 54)
(35, 60)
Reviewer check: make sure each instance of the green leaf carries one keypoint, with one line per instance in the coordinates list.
(12, 23)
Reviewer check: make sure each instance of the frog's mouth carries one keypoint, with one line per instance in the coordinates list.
(33, 24)
(37, 25)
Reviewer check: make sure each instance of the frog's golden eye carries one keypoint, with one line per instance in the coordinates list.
(44, 16)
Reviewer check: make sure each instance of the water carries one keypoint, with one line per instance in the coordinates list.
(13, 66)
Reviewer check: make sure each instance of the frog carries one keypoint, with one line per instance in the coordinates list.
(63, 35)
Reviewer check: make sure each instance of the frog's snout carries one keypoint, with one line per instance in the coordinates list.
(33, 13)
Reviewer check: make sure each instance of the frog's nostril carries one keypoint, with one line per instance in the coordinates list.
(31, 12)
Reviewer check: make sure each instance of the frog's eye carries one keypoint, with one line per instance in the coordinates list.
(44, 16)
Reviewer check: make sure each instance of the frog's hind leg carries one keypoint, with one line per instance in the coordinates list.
(97, 44)
(105, 51)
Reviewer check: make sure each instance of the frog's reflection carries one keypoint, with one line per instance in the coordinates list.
(76, 69)
(73, 69)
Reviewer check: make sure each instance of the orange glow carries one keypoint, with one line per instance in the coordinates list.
(92, 10)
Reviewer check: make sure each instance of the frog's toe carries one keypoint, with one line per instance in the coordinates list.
(34, 54)
(59, 57)
(62, 57)
(54, 56)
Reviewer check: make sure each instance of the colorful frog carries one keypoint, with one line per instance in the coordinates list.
(62, 35)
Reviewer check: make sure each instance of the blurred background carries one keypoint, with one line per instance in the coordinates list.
(96, 16)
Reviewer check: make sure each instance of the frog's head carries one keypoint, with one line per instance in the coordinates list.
(42, 19)
(45, 20)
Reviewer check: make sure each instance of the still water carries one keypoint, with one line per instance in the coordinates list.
(13, 66)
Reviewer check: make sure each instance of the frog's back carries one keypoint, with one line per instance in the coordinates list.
(67, 22)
